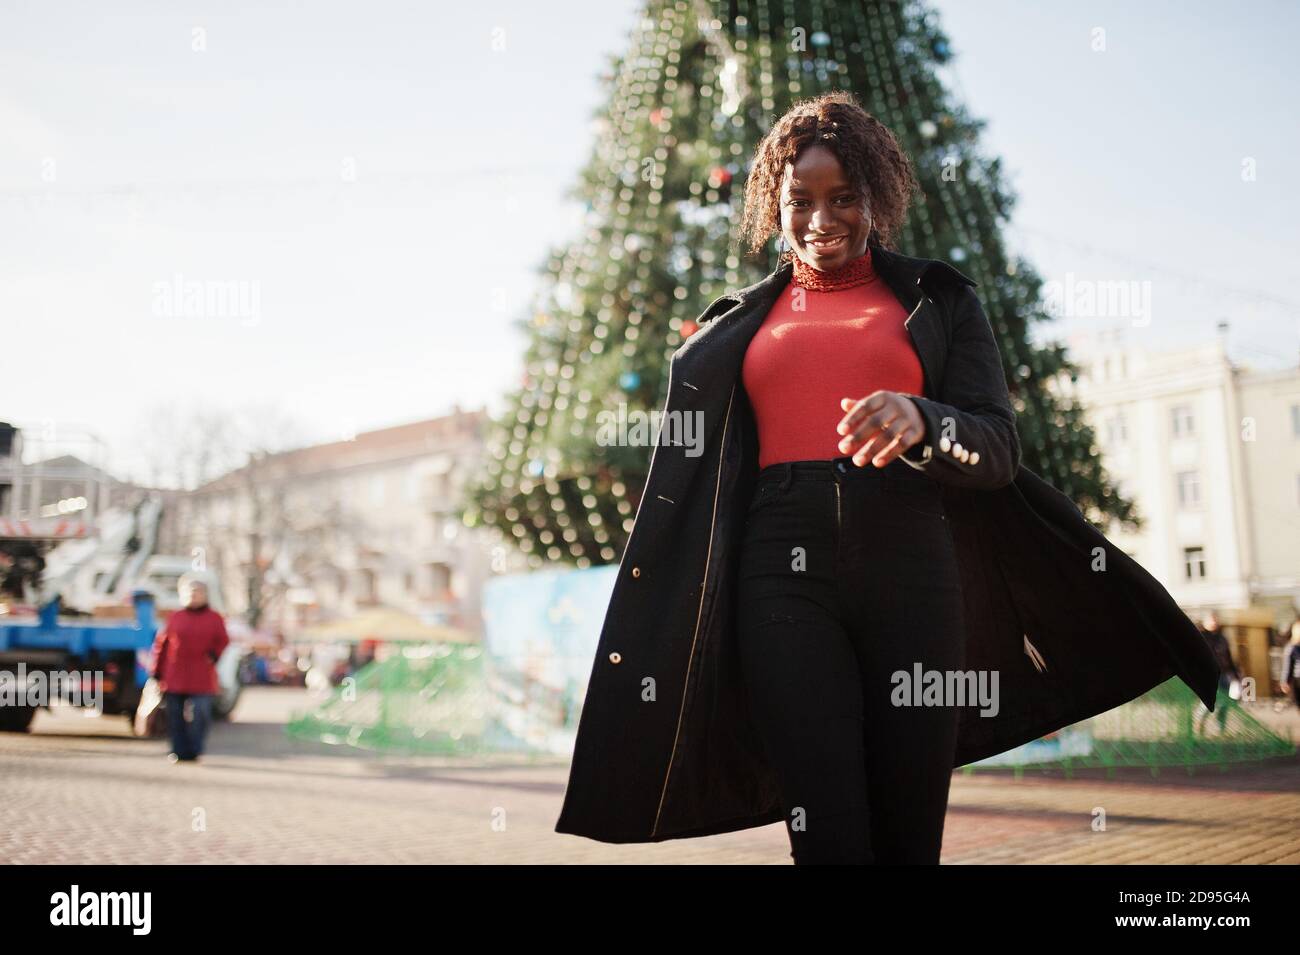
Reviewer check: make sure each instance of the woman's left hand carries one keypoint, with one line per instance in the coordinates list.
(881, 426)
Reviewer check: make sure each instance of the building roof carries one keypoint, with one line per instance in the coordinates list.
(395, 443)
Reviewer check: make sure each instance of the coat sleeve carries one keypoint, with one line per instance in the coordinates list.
(220, 640)
(970, 428)
(159, 645)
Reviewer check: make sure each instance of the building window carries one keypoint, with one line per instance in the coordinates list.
(436, 488)
(1183, 424)
(1194, 563)
(369, 587)
(1189, 489)
(1116, 430)
(439, 580)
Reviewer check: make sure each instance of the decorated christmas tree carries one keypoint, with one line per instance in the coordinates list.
(696, 91)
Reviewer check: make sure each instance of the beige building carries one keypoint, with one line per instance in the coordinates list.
(1210, 453)
(325, 531)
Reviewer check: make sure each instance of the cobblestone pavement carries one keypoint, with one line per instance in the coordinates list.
(83, 790)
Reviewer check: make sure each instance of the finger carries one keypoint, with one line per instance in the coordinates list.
(900, 443)
(870, 442)
(895, 429)
(861, 408)
(864, 435)
(850, 406)
(908, 425)
(883, 455)
(871, 445)
(881, 424)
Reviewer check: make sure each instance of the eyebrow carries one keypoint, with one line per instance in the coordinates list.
(836, 188)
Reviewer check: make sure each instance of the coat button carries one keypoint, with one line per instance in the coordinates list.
(636, 571)
(616, 657)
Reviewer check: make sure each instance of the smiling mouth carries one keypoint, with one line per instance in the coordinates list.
(828, 244)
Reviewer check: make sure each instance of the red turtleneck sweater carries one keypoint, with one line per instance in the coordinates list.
(830, 335)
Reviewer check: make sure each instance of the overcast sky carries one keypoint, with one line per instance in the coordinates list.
(372, 173)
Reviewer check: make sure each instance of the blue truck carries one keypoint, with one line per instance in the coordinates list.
(70, 555)
(87, 662)
(100, 663)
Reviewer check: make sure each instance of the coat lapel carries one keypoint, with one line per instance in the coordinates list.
(717, 351)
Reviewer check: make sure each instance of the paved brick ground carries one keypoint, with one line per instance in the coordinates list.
(83, 790)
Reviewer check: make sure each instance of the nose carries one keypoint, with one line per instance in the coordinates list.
(821, 218)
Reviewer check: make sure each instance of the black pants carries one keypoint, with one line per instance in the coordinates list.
(188, 738)
(848, 577)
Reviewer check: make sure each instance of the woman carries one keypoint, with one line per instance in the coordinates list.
(1229, 672)
(185, 654)
(852, 532)
(848, 577)
(1291, 665)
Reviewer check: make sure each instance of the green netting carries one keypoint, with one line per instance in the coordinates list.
(1167, 727)
(449, 699)
(428, 699)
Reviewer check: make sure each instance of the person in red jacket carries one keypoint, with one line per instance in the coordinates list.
(185, 654)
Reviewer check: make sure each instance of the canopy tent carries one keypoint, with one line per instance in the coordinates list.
(383, 624)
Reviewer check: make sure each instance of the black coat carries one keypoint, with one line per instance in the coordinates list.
(666, 748)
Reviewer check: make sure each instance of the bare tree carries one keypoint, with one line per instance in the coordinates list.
(239, 460)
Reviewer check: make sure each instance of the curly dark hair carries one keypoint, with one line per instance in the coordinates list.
(872, 158)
